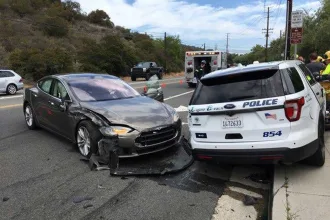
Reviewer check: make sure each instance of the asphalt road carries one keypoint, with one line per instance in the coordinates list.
(42, 177)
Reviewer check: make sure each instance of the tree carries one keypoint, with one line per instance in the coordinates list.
(100, 17)
(72, 10)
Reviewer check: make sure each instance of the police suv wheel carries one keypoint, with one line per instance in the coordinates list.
(318, 158)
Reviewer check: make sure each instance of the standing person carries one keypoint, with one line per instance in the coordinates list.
(301, 59)
(326, 72)
(200, 71)
(315, 66)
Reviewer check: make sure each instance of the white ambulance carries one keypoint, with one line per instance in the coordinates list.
(215, 60)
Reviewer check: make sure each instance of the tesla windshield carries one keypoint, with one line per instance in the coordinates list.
(100, 88)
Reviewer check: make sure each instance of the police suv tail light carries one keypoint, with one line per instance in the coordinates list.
(215, 63)
(190, 62)
(293, 109)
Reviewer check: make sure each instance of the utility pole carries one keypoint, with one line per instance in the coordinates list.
(227, 48)
(267, 36)
(204, 46)
(280, 34)
(288, 30)
(165, 48)
(227, 44)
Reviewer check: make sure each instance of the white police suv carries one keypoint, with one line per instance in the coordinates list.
(262, 113)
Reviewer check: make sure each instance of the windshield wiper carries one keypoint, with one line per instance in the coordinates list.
(242, 97)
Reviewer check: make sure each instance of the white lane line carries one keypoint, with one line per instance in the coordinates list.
(163, 80)
(12, 97)
(141, 87)
(175, 96)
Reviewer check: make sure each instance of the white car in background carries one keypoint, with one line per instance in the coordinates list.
(10, 82)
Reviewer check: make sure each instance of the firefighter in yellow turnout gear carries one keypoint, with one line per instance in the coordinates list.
(326, 72)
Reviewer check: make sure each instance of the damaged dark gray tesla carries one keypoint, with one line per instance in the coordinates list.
(94, 110)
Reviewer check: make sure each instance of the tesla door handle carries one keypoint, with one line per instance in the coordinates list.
(52, 103)
(317, 93)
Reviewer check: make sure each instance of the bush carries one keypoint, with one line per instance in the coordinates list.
(39, 63)
(21, 7)
(54, 26)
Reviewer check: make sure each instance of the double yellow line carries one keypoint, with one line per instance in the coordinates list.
(11, 106)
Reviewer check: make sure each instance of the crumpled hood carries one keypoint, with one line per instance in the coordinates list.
(139, 113)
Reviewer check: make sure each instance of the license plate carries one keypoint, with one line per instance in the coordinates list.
(232, 122)
(194, 80)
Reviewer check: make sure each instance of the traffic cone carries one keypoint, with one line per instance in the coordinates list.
(181, 82)
(163, 85)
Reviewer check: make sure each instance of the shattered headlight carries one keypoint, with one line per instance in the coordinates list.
(176, 117)
(114, 130)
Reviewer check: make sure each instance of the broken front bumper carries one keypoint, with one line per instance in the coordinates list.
(150, 141)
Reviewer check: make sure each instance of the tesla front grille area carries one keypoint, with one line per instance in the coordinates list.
(157, 138)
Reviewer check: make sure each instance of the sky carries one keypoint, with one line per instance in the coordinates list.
(203, 21)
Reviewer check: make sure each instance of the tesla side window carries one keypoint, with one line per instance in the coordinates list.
(59, 91)
(45, 85)
(101, 88)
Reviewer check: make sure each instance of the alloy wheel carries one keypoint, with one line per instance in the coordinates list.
(83, 140)
(28, 116)
(12, 89)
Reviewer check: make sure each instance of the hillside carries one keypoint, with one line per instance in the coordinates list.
(42, 37)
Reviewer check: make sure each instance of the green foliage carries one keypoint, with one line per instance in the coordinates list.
(35, 63)
(100, 17)
(54, 26)
(21, 7)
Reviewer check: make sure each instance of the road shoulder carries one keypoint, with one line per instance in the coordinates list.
(301, 191)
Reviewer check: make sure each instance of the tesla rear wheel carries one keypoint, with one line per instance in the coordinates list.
(29, 117)
(87, 137)
(11, 89)
(133, 78)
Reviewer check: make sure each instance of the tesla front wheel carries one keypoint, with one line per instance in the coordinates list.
(87, 137)
(29, 117)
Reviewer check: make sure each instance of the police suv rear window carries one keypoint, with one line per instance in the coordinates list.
(246, 86)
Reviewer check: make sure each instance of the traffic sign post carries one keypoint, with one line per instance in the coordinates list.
(297, 21)
(296, 35)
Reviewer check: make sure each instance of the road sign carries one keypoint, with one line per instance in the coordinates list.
(297, 19)
(296, 35)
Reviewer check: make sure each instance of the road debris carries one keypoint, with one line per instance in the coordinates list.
(226, 205)
(249, 200)
(5, 199)
(172, 160)
(259, 178)
(88, 206)
(80, 199)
